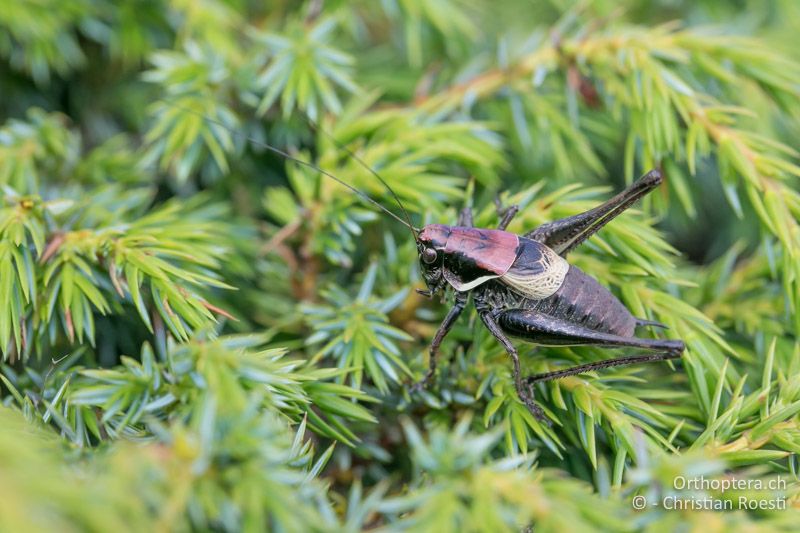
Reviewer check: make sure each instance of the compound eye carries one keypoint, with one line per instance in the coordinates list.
(428, 256)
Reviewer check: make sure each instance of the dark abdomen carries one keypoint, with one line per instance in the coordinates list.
(582, 300)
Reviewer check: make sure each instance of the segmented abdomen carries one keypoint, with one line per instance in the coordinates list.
(582, 300)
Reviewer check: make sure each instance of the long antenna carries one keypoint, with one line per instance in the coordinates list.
(372, 171)
(312, 166)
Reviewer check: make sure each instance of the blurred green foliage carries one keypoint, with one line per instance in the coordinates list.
(197, 334)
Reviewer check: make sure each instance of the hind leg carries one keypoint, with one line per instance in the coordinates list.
(606, 363)
(543, 329)
(565, 234)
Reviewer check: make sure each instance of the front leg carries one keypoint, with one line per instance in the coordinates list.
(444, 329)
(505, 215)
(522, 391)
(465, 218)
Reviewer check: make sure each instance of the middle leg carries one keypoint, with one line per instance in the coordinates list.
(506, 215)
(522, 391)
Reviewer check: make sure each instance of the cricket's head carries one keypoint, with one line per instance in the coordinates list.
(431, 243)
